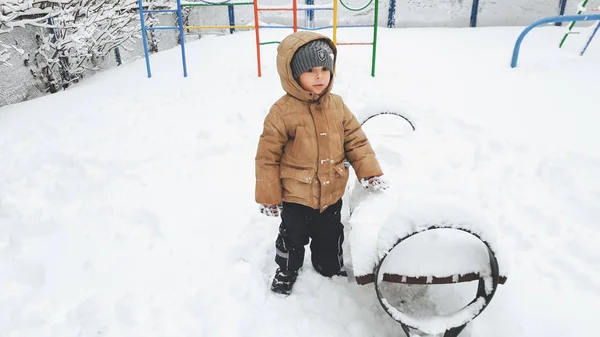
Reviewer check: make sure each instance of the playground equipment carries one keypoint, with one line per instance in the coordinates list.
(179, 28)
(383, 251)
(581, 8)
(257, 9)
(553, 19)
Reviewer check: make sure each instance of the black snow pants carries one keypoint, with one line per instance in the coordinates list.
(326, 231)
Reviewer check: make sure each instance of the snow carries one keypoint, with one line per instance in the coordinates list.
(127, 204)
(391, 218)
(438, 324)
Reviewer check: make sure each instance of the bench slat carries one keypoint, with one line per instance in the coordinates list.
(395, 278)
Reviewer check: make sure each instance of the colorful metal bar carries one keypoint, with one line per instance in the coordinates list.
(589, 40)
(160, 11)
(583, 4)
(355, 9)
(354, 43)
(375, 25)
(552, 19)
(256, 28)
(392, 14)
(231, 13)
(295, 15)
(310, 15)
(163, 28)
(181, 38)
(474, 11)
(335, 21)
(218, 27)
(562, 5)
(275, 9)
(144, 38)
(218, 4)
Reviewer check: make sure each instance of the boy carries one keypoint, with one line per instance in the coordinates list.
(307, 137)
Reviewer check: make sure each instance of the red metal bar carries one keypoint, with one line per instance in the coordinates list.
(256, 27)
(276, 9)
(295, 8)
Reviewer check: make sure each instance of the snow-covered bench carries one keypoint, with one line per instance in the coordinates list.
(455, 244)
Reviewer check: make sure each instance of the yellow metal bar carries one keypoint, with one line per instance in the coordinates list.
(218, 27)
(335, 21)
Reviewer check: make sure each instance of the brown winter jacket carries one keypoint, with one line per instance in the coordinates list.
(306, 139)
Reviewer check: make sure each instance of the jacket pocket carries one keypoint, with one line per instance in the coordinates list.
(296, 183)
(340, 179)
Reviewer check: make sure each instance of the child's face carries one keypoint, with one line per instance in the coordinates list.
(315, 80)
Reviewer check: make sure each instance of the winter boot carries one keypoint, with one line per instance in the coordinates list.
(283, 281)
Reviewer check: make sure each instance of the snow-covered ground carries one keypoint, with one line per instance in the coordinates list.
(127, 204)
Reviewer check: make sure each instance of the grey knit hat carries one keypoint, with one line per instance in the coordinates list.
(316, 53)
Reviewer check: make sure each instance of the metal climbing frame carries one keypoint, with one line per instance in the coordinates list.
(552, 19)
(179, 27)
(375, 21)
(335, 26)
(294, 8)
(229, 5)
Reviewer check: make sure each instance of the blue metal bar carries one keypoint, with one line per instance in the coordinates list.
(215, 3)
(561, 11)
(590, 39)
(118, 56)
(392, 14)
(144, 38)
(311, 14)
(552, 19)
(231, 12)
(474, 11)
(355, 26)
(308, 9)
(181, 37)
(160, 11)
(162, 28)
(316, 9)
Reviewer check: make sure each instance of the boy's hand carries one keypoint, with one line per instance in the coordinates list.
(271, 210)
(374, 183)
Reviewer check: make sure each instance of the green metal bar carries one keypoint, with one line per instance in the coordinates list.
(270, 42)
(571, 25)
(355, 9)
(223, 4)
(375, 38)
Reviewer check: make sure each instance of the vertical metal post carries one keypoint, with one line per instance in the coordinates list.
(294, 14)
(118, 56)
(335, 21)
(572, 24)
(392, 14)
(474, 11)
(181, 37)
(256, 28)
(561, 11)
(310, 15)
(231, 18)
(590, 39)
(375, 24)
(144, 38)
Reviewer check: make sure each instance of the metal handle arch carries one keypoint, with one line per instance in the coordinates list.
(355, 9)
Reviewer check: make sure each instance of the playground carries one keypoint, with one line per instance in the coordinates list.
(488, 137)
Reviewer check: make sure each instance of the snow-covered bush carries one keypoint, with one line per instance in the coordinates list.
(74, 35)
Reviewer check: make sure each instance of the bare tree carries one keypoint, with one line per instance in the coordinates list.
(74, 35)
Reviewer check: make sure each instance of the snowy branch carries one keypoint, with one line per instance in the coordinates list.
(5, 53)
(74, 35)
